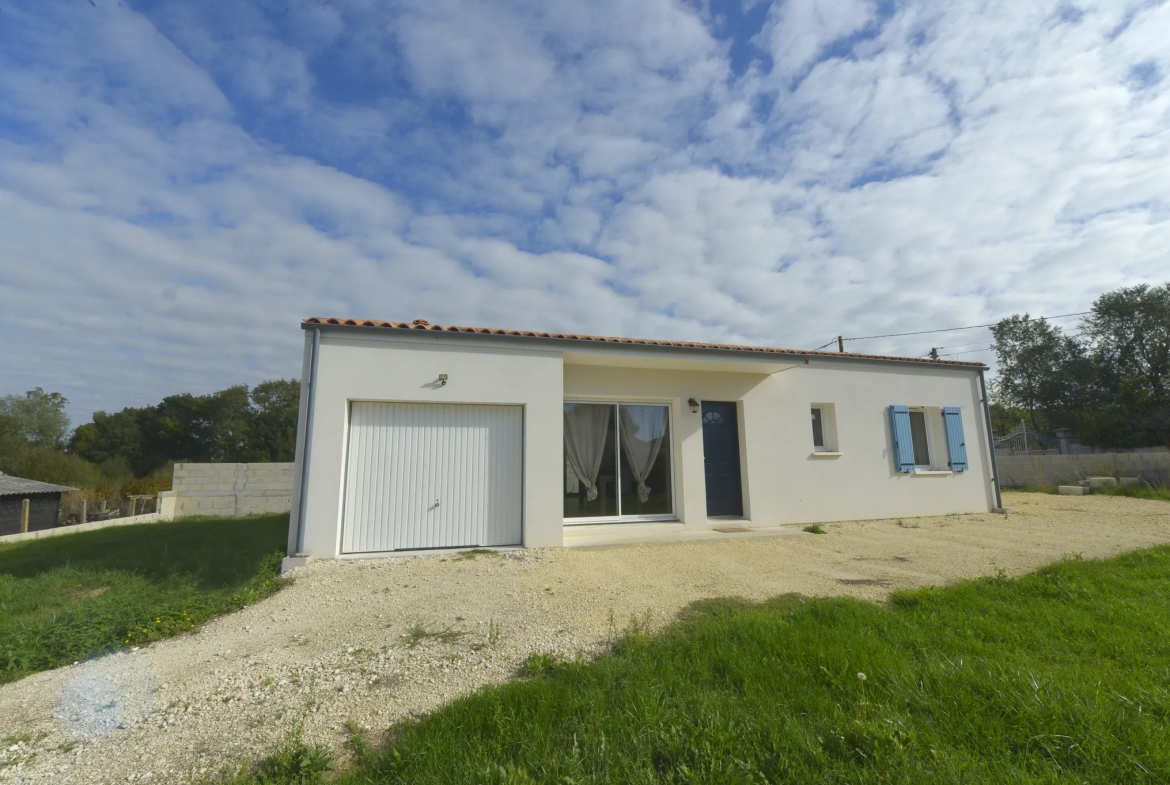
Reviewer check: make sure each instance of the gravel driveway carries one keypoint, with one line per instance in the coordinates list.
(375, 641)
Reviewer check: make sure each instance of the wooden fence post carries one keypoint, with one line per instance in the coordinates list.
(83, 510)
(24, 516)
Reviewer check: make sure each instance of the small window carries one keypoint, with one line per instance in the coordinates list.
(824, 429)
(921, 441)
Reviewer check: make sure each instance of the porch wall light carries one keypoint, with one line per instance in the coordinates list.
(694, 405)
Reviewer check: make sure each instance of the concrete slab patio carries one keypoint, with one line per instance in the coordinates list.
(375, 641)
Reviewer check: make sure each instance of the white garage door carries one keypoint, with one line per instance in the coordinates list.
(422, 475)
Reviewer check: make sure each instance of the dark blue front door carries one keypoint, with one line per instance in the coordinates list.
(721, 458)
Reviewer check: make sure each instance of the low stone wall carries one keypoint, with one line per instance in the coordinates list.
(1019, 470)
(150, 517)
(228, 489)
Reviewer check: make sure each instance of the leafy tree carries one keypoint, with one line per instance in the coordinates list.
(1130, 332)
(37, 416)
(228, 416)
(11, 438)
(108, 437)
(1004, 419)
(1112, 383)
(233, 425)
(36, 462)
(1041, 371)
(275, 407)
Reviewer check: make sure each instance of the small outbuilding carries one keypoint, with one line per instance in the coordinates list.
(415, 436)
(44, 504)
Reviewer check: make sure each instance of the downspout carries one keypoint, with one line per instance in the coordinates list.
(990, 441)
(308, 440)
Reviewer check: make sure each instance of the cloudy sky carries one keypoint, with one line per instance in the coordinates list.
(181, 182)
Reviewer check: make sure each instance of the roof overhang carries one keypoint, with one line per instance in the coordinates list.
(663, 358)
(635, 353)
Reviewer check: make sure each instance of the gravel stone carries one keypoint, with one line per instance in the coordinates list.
(336, 645)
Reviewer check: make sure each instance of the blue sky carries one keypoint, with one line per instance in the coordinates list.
(181, 183)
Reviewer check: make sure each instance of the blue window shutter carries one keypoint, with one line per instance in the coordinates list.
(956, 442)
(903, 441)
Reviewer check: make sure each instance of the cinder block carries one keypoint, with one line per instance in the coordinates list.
(1102, 482)
(1072, 490)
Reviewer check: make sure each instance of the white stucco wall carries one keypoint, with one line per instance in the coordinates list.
(783, 482)
(375, 368)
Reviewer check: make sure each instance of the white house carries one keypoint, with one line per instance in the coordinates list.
(415, 436)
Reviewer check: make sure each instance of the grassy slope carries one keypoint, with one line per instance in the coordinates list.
(1157, 492)
(66, 598)
(1160, 493)
(1060, 676)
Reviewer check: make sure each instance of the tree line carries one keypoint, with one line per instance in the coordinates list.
(239, 424)
(1108, 379)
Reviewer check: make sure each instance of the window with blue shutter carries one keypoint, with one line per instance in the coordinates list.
(903, 441)
(956, 442)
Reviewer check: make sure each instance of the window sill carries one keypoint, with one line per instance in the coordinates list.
(825, 454)
(932, 473)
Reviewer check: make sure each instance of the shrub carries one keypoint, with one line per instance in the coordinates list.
(49, 465)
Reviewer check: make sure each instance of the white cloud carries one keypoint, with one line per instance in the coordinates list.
(798, 31)
(180, 186)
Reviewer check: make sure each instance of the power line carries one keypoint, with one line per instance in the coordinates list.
(961, 345)
(985, 348)
(953, 329)
(969, 351)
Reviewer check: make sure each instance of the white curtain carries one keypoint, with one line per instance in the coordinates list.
(586, 426)
(643, 431)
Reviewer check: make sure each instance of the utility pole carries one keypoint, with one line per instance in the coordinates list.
(934, 352)
(840, 344)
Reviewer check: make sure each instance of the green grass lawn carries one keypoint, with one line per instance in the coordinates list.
(1155, 492)
(69, 597)
(1159, 492)
(1060, 676)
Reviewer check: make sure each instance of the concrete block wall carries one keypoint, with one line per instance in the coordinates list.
(1019, 470)
(229, 489)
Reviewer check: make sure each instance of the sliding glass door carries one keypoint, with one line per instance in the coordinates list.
(617, 462)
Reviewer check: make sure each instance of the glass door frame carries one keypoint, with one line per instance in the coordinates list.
(669, 404)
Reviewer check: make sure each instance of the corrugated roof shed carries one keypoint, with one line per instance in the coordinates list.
(18, 486)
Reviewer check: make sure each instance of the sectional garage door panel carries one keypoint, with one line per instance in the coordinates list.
(423, 475)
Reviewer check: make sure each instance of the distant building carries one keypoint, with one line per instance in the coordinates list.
(44, 503)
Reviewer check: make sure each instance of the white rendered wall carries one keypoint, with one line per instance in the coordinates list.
(376, 368)
(783, 481)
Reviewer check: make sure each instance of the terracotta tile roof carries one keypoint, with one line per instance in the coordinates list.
(423, 324)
